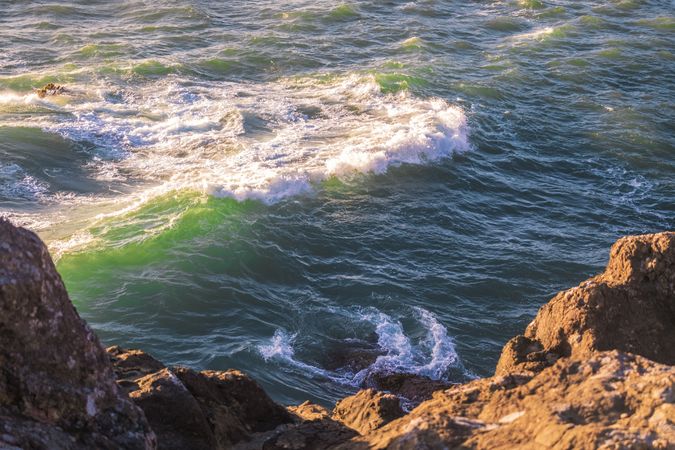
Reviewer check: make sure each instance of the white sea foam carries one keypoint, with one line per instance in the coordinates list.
(15, 183)
(196, 136)
(264, 141)
(537, 35)
(430, 356)
(281, 348)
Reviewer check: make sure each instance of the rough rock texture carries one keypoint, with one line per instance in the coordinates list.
(235, 405)
(173, 412)
(412, 389)
(629, 307)
(312, 429)
(197, 410)
(367, 410)
(611, 400)
(54, 374)
(308, 411)
(310, 435)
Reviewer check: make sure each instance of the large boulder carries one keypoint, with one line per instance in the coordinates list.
(629, 307)
(55, 377)
(611, 400)
(235, 405)
(173, 412)
(196, 410)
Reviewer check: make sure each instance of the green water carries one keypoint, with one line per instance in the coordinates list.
(262, 186)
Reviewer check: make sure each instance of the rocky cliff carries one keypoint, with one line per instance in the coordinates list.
(593, 370)
(57, 386)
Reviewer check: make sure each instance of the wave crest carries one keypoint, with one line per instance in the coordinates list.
(431, 356)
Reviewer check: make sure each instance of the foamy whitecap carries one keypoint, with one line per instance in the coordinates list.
(265, 141)
(281, 348)
(536, 35)
(15, 183)
(250, 140)
(432, 356)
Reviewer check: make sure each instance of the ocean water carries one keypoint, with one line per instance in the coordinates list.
(270, 185)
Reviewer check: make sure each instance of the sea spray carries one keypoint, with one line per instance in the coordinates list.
(265, 142)
(432, 356)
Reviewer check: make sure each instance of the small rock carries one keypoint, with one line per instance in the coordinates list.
(50, 89)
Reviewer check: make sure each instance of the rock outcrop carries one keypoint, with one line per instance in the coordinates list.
(593, 370)
(412, 389)
(196, 410)
(56, 383)
(50, 89)
(367, 410)
(629, 307)
(612, 400)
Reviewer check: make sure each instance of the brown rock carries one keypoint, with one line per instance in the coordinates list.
(234, 404)
(173, 412)
(308, 411)
(611, 400)
(367, 410)
(53, 370)
(50, 89)
(189, 409)
(352, 358)
(629, 307)
(413, 389)
(131, 365)
(313, 429)
(311, 435)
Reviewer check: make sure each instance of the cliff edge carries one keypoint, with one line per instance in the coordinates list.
(629, 307)
(593, 370)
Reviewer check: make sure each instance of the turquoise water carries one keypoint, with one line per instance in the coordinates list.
(267, 186)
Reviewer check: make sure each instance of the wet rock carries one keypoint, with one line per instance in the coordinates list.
(352, 359)
(50, 89)
(54, 374)
(367, 410)
(629, 307)
(413, 389)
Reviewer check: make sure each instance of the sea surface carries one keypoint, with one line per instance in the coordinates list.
(271, 185)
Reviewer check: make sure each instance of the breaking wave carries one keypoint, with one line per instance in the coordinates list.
(260, 141)
(432, 355)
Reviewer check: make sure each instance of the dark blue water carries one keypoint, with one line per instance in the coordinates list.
(267, 186)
